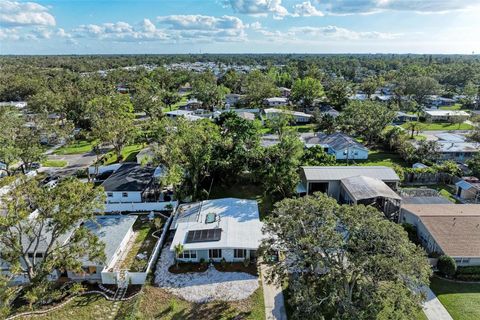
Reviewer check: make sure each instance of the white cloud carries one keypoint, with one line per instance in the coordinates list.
(121, 31)
(255, 25)
(306, 9)
(259, 7)
(345, 7)
(338, 33)
(204, 28)
(14, 13)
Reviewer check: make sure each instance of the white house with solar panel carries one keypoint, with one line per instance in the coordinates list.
(217, 229)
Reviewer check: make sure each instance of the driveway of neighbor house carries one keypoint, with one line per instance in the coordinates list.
(433, 308)
(205, 286)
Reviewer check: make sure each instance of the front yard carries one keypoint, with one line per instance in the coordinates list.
(75, 147)
(379, 158)
(54, 163)
(462, 300)
(443, 126)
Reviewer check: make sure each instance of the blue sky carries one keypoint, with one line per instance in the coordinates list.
(239, 26)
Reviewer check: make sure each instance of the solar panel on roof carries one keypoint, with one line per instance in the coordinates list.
(205, 235)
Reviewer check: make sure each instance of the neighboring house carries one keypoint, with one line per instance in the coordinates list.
(339, 144)
(246, 115)
(132, 182)
(358, 185)
(451, 229)
(445, 115)
(276, 102)
(298, 117)
(450, 137)
(403, 117)
(457, 151)
(115, 231)
(232, 99)
(327, 110)
(436, 101)
(145, 156)
(285, 92)
(328, 179)
(468, 189)
(187, 114)
(217, 229)
(17, 104)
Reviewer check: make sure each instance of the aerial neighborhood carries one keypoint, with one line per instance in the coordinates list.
(237, 186)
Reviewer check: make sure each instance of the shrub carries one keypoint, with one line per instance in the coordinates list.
(411, 231)
(447, 266)
(246, 262)
(223, 263)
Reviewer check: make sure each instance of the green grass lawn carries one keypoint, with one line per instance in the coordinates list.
(456, 106)
(379, 158)
(87, 307)
(144, 243)
(156, 303)
(443, 126)
(183, 101)
(75, 147)
(129, 154)
(55, 163)
(244, 191)
(462, 300)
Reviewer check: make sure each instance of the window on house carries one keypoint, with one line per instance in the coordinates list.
(109, 194)
(239, 253)
(37, 255)
(188, 254)
(215, 253)
(124, 194)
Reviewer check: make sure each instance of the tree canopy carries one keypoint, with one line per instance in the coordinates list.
(343, 261)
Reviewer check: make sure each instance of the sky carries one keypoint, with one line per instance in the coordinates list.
(239, 26)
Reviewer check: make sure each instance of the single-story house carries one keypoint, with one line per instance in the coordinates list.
(217, 229)
(247, 116)
(468, 189)
(232, 99)
(327, 110)
(132, 182)
(285, 92)
(114, 231)
(403, 117)
(457, 151)
(339, 144)
(187, 114)
(328, 179)
(451, 137)
(451, 229)
(298, 117)
(276, 101)
(445, 115)
(436, 101)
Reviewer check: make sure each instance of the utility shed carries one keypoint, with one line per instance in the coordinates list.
(371, 191)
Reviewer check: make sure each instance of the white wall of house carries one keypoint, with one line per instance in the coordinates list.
(123, 196)
(302, 119)
(353, 154)
(227, 254)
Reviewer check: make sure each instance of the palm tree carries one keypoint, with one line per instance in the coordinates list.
(178, 251)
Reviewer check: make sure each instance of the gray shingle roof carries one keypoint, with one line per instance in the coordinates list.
(342, 172)
(337, 141)
(129, 177)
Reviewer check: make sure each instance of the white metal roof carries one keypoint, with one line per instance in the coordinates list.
(238, 219)
(442, 113)
(342, 172)
(362, 187)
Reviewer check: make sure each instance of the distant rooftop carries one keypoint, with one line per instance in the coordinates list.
(329, 173)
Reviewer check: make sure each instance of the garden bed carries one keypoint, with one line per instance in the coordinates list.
(187, 267)
(237, 267)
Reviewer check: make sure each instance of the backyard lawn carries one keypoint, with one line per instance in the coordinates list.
(443, 126)
(456, 106)
(462, 300)
(380, 158)
(129, 154)
(156, 303)
(75, 147)
(54, 163)
(144, 243)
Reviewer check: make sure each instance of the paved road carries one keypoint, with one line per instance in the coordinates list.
(273, 298)
(433, 308)
(75, 162)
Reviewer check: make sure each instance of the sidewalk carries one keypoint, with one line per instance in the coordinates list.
(433, 308)
(273, 298)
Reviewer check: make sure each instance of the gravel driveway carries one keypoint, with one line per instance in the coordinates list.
(204, 286)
